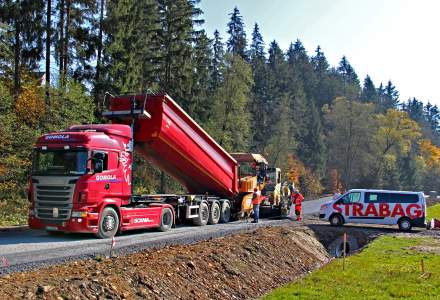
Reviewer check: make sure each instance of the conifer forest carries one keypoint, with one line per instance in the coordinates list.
(326, 128)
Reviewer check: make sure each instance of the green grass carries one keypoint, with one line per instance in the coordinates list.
(433, 212)
(388, 268)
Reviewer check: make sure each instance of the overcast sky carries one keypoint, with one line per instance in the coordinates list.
(387, 39)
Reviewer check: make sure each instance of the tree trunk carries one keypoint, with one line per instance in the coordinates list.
(66, 40)
(98, 60)
(61, 41)
(48, 36)
(17, 50)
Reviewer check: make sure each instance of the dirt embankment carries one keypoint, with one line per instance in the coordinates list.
(236, 267)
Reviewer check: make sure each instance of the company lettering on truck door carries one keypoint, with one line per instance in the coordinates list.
(379, 205)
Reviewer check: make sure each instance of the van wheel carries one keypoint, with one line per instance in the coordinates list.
(203, 217)
(108, 224)
(225, 213)
(166, 220)
(404, 224)
(336, 220)
(214, 214)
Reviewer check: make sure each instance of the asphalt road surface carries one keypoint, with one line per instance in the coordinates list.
(28, 249)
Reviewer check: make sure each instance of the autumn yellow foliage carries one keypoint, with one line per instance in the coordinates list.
(396, 130)
(308, 182)
(430, 153)
(30, 103)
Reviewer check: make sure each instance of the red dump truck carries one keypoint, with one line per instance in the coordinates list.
(82, 177)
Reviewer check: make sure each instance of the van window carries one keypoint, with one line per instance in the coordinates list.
(377, 198)
(354, 197)
(404, 198)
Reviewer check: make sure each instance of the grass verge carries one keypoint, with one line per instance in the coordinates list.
(433, 212)
(390, 267)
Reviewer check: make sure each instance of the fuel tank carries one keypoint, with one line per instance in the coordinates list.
(168, 137)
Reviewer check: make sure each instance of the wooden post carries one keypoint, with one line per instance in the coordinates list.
(422, 266)
(345, 250)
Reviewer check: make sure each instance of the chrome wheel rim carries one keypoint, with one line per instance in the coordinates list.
(109, 223)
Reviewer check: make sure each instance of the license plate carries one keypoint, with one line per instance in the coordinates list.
(55, 212)
(51, 228)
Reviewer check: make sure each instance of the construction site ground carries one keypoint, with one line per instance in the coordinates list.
(241, 265)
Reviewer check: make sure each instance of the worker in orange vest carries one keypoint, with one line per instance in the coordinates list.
(297, 199)
(256, 200)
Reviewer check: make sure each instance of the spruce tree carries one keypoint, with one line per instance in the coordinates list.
(414, 108)
(133, 48)
(432, 115)
(369, 91)
(176, 36)
(312, 147)
(279, 126)
(324, 91)
(259, 105)
(256, 49)
(217, 63)
(230, 123)
(350, 81)
(390, 96)
(236, 43)
(319, 62)
(300, 63)
(201, 60)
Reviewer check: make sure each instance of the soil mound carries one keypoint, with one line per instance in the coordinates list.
(242, 266)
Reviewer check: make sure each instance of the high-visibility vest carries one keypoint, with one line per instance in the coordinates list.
(256, 198)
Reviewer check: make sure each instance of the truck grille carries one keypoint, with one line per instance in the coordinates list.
(53, 202)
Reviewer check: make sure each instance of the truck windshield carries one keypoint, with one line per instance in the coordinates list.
(59, 162)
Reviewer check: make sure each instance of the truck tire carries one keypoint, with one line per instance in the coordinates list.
(108, 223)
(214, 213)
(404, 224)
(225, 212)
(203, 217)
(166, 220)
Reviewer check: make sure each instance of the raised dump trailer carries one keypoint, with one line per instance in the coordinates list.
(165, 135)
(82, 177)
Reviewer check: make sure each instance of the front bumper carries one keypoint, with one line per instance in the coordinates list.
(87, 224)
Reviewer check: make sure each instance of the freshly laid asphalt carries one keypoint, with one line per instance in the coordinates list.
(26, 249)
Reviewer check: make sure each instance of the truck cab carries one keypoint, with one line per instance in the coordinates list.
(78, 172)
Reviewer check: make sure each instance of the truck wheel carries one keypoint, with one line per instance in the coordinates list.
(203, 216)
(404, 224)
(335, 220)
(214, 214)
(108, 224)
(225, 213)
(166, 220)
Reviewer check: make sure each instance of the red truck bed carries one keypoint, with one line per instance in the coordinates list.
(172, 140)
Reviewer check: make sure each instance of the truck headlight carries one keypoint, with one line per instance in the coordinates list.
(79, 214)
